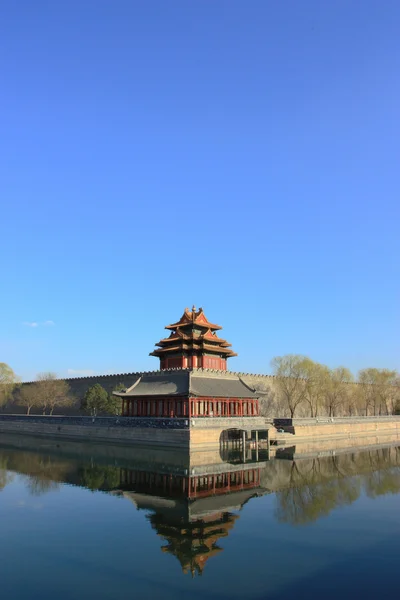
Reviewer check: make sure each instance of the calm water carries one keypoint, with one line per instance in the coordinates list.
(83, 522)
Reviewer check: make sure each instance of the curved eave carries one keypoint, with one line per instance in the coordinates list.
(192, 348)
(192, 340)
(207, 325)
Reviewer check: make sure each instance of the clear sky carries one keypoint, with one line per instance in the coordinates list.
(241, 156)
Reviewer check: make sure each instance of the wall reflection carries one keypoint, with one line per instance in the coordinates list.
(192, 501)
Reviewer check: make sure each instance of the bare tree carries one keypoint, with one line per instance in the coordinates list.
(29, 397)
(52, 392)
(8, 382)
(316, 378)
(289, 379)
(387, 390)
(337, 389)
(366, 390)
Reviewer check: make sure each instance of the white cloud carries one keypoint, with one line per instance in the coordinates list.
(81, 372)
(36, 324)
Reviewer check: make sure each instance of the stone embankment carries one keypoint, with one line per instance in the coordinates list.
(328, 427)
(125, 430)
(202, 433)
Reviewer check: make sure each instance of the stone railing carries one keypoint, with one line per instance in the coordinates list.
(287, 422)
(106, 422)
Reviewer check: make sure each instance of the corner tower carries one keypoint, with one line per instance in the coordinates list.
(193, 343)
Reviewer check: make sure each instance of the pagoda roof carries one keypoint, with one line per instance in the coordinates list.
(186, 382)
(196, 317)
(194, 346)
(180, 335)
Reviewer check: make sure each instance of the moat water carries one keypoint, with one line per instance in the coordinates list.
(115, 523)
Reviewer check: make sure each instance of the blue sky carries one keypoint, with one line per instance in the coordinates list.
(241, 156)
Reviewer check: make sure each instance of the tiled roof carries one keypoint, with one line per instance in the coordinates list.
(220, 388)
(189, 383)
(174, 383)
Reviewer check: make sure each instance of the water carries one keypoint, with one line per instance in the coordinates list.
(111, 522)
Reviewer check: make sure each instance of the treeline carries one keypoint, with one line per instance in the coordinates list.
(49, 394)
(301, 388)
(305, 388)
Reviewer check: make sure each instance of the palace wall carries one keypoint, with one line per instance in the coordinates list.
(79, 386)
(265, 384)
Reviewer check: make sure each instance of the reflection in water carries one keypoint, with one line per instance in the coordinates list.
(191, 513)
(192, 502)
(193, 542)
(5, 476)
(316, 486)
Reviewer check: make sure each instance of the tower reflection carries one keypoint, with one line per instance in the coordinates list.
(192, 501)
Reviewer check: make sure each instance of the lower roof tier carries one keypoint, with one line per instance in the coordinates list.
(189, 383)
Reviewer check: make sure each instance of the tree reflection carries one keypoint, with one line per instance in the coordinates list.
(318, 486)
(306, 503)
(5, 476)
(385, 481)
(100, 477)
(37, 485)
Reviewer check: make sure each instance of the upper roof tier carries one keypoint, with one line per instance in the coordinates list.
(194, 317)
(193, 335)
